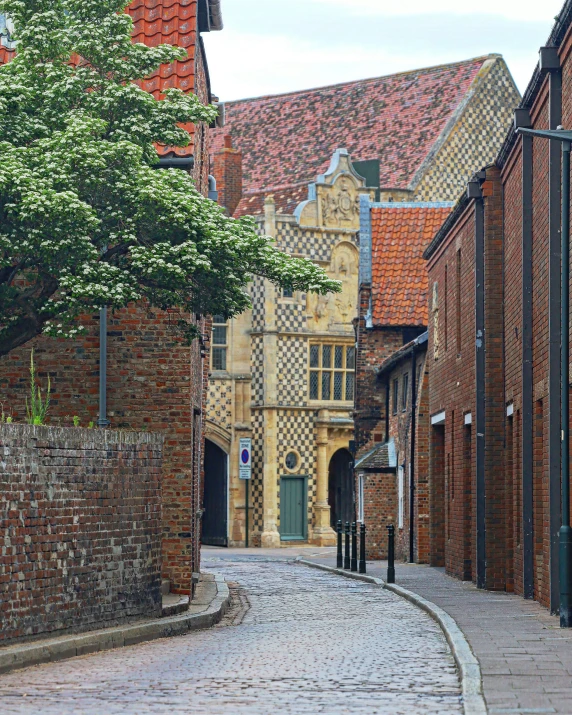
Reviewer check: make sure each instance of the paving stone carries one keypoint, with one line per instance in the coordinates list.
(504, 631)
(304, 643)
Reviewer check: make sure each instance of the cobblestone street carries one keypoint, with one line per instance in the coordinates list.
(294, 641)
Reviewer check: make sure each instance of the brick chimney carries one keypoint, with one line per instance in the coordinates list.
(227, 170)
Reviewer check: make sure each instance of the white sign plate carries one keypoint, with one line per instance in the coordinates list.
(245, 458)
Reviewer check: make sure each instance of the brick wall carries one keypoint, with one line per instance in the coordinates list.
(374, 345)
(81, 529)
(379, 509)
(453, 390)
(155, 384)
(227, 170)
(201, 131)
(513, 316)
(401, 431)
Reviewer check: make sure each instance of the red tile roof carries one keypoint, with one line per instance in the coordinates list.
(399, 235)
(168, 22)
(5, 54)
(288, 139)
(159, 22)
(286, 199)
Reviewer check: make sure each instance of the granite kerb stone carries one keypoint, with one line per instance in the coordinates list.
(49, 651)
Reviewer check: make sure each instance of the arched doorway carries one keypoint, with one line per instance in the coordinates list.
(341, 488)
(215, 498)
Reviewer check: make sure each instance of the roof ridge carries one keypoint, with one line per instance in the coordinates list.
(412, 205)
(471, 60)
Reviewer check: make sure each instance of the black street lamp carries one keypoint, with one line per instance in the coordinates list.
(565, 137)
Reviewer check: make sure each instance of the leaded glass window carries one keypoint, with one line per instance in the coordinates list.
(331, 375)
(219, 343)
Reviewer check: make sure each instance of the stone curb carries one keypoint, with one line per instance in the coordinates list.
(469, 668)
(24, 655)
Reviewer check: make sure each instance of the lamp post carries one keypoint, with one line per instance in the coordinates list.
(565, 542)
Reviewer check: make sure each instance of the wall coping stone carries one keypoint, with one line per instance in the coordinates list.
(94, 436)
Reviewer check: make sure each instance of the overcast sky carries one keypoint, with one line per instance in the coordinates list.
(273, 46)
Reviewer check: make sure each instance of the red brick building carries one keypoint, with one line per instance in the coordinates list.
(465, 359)
(392, 477)
(392, 314)
(153, 382)
(494, 354)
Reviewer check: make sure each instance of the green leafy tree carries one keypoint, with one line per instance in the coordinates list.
(85, 218)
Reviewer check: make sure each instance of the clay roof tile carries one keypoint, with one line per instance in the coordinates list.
(400, 234)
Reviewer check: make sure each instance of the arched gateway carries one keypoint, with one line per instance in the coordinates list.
(215, 499)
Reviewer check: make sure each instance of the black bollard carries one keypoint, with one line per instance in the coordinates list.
(391, 554)
(340, 558)
(347, 545)
(354, 546)
(361, 568)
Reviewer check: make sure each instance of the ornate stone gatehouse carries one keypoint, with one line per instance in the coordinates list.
(283, 375)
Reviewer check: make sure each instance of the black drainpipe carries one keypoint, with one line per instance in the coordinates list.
(550, 62)
(474, 192)
(522, 119)
(412, 460)
(387, 388)
(102, 420)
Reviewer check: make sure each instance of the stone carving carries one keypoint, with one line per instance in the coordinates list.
(343, 264)
(337, 309)
(333, 201)
(340, 204)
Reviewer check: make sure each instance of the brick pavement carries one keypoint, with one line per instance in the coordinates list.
(525, 658)
(296, 641)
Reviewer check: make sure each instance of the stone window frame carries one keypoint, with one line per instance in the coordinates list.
(296, 468)
(322, 367)
(219, 347)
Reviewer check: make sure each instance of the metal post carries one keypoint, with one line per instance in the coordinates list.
(340, 558)
(354, 547)
(361, 568)
(565, 531)
(347, 545)
(391, 554)
(246, 526)
(102, 420)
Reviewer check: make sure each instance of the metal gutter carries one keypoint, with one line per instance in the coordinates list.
(526, 376)
(176, 162)
(554, 305)
(102, 419)
(412, 459)
(474, 193)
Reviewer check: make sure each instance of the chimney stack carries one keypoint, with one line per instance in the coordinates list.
(227, 170)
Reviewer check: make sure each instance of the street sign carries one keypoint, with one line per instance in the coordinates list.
(245, 458)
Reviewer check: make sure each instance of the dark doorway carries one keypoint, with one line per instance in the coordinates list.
(341, 488)
(215, 499)
(437, 477)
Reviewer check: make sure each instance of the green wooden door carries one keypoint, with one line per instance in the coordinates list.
(293, 508)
